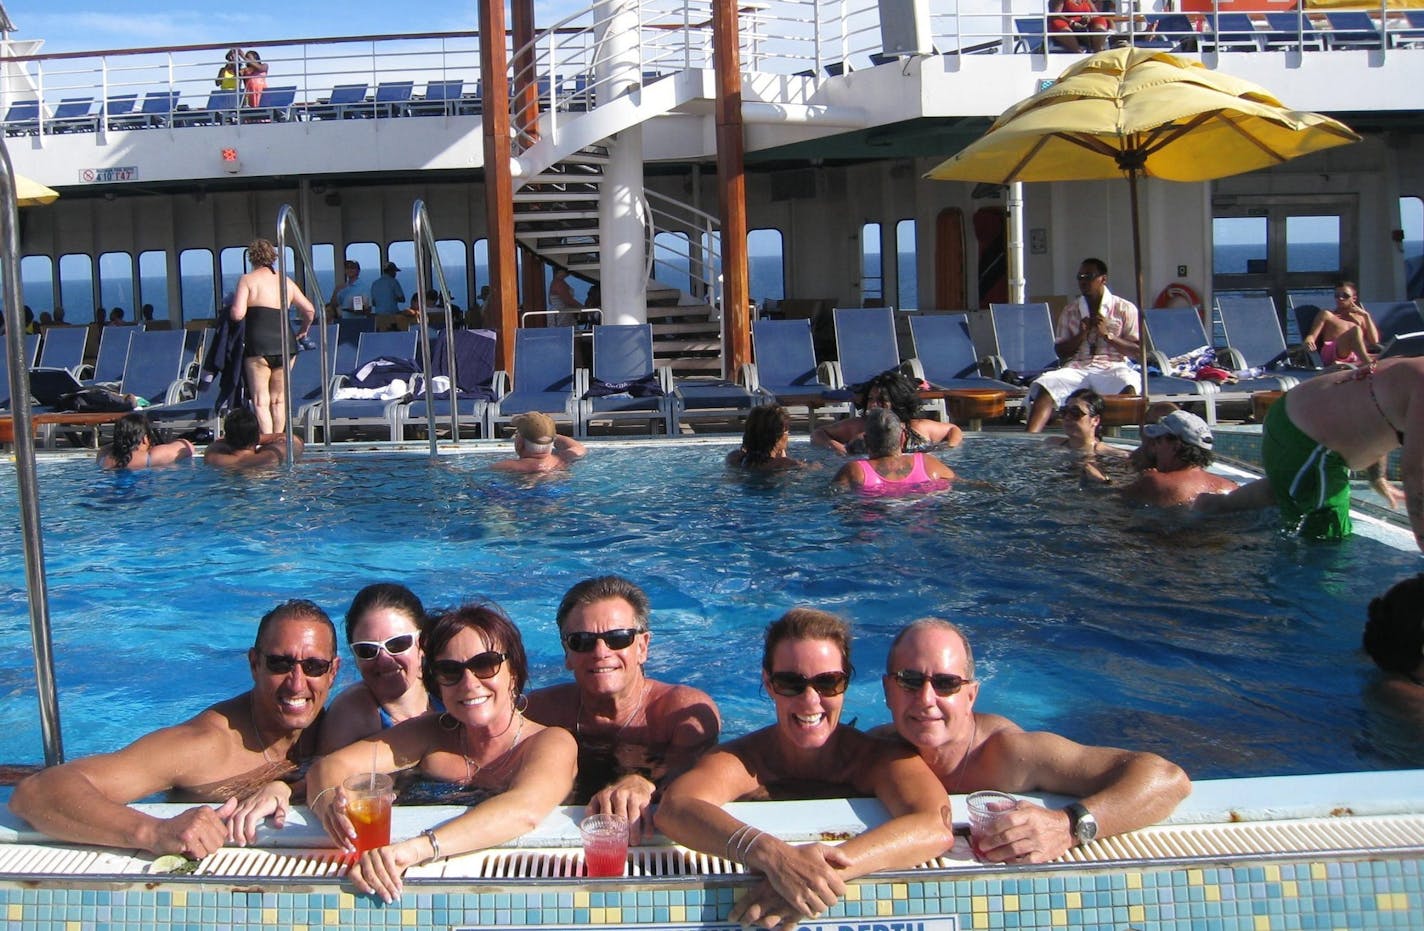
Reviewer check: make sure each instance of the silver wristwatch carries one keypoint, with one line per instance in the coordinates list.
(1081, 823)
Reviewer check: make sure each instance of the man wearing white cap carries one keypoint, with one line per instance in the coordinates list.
(1177, 451)
(538, 447)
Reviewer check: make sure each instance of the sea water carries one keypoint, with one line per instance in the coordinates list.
(1223, 645)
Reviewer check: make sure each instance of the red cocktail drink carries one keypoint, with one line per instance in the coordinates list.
(605, 845)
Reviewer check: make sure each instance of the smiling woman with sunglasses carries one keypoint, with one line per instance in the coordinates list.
(383, 628)
(806, 669)
(474, 662)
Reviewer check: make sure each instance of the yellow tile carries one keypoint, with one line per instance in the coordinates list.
(1401, 901)
(1273, 873)
(1289, 889)
(1213, 893)
(409, 917)
(345, 900)
(979, 904)
(581, 899)
(178, 898)
(16, 911)
(269, 916)
(677, 914)
(900, 891)
(1263, 923)
(595, 916)
(614, 915)
(1194, 877)
(884, 907)
(1384, 902)
(1134, 880)
(1011, 903)
(1137, 914)
(73, 926)
(1317, 871)
(1059, 916)
(1075, 900)
(853, 893)
(331, 918)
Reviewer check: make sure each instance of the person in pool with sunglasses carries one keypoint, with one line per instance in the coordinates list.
(635, 734)
(930, 689)
(245, 753)
(383, 628)
(474, 661)
(807, 753)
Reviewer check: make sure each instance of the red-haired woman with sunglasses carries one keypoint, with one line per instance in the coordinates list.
(474, 663)
(807, 753)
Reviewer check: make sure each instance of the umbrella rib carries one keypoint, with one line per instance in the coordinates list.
(1177, 131)
(1028, 157)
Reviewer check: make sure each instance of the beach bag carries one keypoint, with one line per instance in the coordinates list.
(96, 401)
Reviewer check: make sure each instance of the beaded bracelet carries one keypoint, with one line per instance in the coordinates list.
(429, 834)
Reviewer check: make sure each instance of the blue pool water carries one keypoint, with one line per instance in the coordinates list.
(1225, 646)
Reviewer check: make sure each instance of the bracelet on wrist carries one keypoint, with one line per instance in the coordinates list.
(311, 804)
(429, 834)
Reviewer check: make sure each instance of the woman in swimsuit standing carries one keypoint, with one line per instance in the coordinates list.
(256, 301)
(888, 469)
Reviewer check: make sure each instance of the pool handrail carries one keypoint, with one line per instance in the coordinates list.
(423, 236)
(25, 480)
(287, 219)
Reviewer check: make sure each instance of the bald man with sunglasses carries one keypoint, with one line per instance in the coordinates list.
(930, 689)
(635, 734)
(245, 755)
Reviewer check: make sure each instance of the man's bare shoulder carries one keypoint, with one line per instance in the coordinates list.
(681, 715)
(555, 705)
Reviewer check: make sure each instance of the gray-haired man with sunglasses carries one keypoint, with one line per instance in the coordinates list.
(634, 733)
(243, 754)
(930, 689)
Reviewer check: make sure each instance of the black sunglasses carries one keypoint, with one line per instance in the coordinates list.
(1089, 277)
(484, 665)
(944, 684)
(280, 664)
(619, 639)
(791, 684)
(370, 649)
(1076, 413)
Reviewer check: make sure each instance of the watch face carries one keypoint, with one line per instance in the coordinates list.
(1085, 826)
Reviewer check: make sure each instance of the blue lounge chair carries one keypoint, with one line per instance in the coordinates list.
(623, 358)
(1170, 31)
(307, 378)
(1029, 34)
(275, 107)
(1254, 340)
(440, 99)
(1023, 340)
(32, 348)
(346, 101)
(1406, 28)
(1394, 318)
(697, 398)
(785, 371)
(118, 105)
(64, 349)
(1352, 30)
(1235, 32)
(154, 367)
(22, 118)
(945, 355)
(221, 108)
(72, 115)
(361, 412)
(157, 110)
(392, 98)
(113, 353)
(474, 379)
(865, 345)
(1173, 332)
(545, 379)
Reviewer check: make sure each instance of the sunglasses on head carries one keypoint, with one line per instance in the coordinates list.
(370, 649)
(944, 684)
(280, 664)
(791, 684)
(1076, 413)
(584, 641)
(1344, 296)
(484, 665)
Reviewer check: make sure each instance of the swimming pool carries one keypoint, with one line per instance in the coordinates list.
(1226, 647)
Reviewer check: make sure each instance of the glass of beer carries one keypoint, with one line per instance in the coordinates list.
(605, 844)
(368, 806)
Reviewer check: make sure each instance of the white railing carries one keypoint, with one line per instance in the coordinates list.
(696, 252)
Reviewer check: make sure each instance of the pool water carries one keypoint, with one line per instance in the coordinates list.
(1225, 646)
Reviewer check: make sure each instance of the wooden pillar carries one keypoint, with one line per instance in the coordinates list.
(526, 92)
(731, 187)
(531, 280)
(502, 311)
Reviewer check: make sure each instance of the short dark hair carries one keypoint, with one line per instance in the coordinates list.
(1098, 264)
(261, 253)
(807, 624)
(1394, 631)
(492, 624)
(1194, 455)
(129, 433)
(240, 428)
(1095, 403)
(603, 588)
(766, 424)
(387, 595)
(295, 609)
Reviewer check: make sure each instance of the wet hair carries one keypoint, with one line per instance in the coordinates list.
(933, 623)
(388, 595)
(766, 425)
(900, 391)
(1095, 403)
(1098, 264)
(129, 434)
(240, 429)
(1394, 631)
(493, 626)
(261, 253)
(807, 624)
(295, 609)
(1194, 455)
(884, 433)
(603, 588)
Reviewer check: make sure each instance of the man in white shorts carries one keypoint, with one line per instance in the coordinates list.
(1096, 334)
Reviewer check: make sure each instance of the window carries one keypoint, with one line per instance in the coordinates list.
(672, 260)
(1411, 220)
(906, 266)
(323, 256)
(153, 282)
(233, 261)
(766, 265)
(455, 264)
(482, 271)
(116, 284)
(872, 282)
(403, 254)
(1238, 245)
(1313, 244)
(195, 270)
(37, 275)
(76, 287)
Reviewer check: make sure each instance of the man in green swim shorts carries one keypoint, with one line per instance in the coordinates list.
(1324, 428)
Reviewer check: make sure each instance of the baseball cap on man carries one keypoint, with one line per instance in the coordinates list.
(535, 428)
(390, 268)
(1185, 426)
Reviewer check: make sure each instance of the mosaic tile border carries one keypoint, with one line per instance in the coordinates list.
(1360, 895)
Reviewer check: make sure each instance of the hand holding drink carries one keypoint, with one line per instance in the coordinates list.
(368, 807)
(984, 811)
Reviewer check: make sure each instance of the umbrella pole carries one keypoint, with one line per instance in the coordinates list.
(1141, 311)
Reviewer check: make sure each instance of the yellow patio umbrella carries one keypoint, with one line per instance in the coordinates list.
(1141, 113)
(33, 194)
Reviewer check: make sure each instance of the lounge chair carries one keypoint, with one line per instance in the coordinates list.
(72, 115)
(361, 412)
(1173, 332)
(157, 110)
(1234, 32)
(153, 370)
(1023, 340)
(785, 371)
(623, 358)
(1029, 34)
(118, 105)
(866, 345)
(1289, 29)
(1352, 30)
(32, 347)
(474, 378)
(306, 383)
(64, 349)
(545, 379)
(346, 101)
(23, 118)
(1254, 340)
(945, 357)
(221, 108)
(276, 106)
(113, 353)
(392, 98)
(440, 99)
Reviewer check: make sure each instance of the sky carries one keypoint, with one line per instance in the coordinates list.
(89, 25)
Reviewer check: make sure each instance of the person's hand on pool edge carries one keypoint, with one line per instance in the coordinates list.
(1028, 834)
(273, 801)
(806, 875)
(194, 833)
(631, 797)
(332, 815)
(378, 872)
(763, 907)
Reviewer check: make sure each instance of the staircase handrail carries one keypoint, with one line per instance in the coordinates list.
(287, 223)
(423, 236)
(667, 214)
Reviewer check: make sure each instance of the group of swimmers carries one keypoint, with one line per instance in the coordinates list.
(445, 697)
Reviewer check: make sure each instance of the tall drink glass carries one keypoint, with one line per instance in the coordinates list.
(368, 806)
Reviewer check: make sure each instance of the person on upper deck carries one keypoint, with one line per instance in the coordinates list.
(346, 297)
(635, 734)
(764, 441)
(930, 690)
(888, 470)
(254, 77)
(387, 295)
(538, 446)
(898, 392)
(1346, 332)
(1322, 429)
(245, 753)
(258, 300)
(474, 661)
(227, 74)
(1177, 451)
(136, 447)
(243, 446)
(806, 753)
(383, 628)
(1073, 26)
(1097, 334)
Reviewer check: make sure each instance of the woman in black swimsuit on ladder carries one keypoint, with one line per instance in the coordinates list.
(256, 300)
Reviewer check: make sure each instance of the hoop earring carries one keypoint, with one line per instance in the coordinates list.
(521, 702)
(447, 721)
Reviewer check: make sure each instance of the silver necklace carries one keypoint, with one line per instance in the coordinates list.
(472, 769)
(642, 697)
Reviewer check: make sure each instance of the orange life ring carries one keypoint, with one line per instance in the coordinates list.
(1177, 294)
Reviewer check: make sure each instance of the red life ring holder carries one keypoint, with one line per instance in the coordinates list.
(1177, 294)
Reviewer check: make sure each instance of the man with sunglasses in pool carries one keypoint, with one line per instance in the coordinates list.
(635, 734)
(1096, 334)
(244, 754)
(930, 689)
